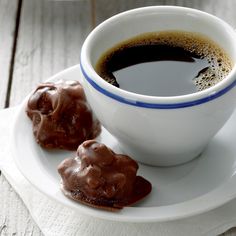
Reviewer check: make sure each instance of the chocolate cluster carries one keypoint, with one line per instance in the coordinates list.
(61, 116)
(101, 178)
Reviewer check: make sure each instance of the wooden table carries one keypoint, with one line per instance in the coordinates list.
(39, 38)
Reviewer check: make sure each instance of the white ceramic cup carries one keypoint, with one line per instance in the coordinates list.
(159, 131)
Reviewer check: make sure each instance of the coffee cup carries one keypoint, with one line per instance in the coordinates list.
(159, 130)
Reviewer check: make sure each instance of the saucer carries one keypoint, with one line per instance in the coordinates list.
(203, 184)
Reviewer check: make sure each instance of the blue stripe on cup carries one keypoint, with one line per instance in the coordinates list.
(156, 105)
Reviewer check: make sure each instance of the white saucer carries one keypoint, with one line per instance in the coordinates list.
(198, 186)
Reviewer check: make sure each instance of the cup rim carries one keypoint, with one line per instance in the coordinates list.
(148, 101)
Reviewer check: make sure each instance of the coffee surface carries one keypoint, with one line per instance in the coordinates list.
(168, 63)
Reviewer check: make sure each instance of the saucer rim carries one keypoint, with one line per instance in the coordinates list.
(211, 200)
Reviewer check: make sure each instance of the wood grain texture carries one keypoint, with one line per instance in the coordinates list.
(14, 217)
(50, 38)
(224, 9)
(8, 11)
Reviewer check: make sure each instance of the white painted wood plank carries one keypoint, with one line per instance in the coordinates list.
(223, 9)
(8, 11)
(50, 38)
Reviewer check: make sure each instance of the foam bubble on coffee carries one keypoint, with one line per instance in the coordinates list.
(219, 61)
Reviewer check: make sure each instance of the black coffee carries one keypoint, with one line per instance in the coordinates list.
(165, 64)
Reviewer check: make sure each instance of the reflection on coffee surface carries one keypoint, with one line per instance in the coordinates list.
(167, 63)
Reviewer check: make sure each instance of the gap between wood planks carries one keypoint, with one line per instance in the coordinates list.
(8, 94)
(16, 32)
(11, 69)
(93, 12)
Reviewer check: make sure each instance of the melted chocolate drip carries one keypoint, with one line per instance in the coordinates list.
(99, 177)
